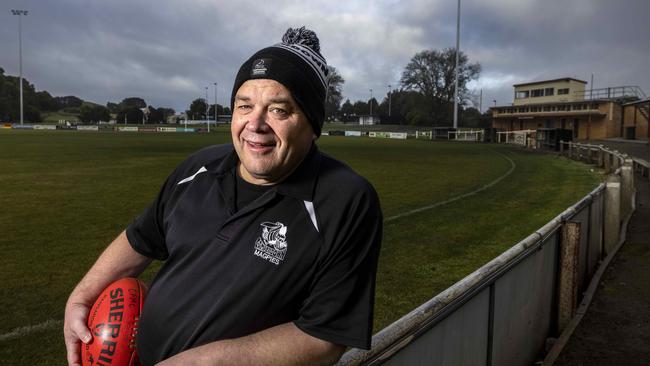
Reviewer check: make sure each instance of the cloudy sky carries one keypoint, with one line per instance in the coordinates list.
(168, 51)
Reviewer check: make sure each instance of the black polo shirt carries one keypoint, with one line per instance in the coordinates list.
(304, 251)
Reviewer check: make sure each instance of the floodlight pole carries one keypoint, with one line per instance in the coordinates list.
(20, 14)
(456, 69)
(370, 103)
(390, 96)
(215, 104)
(207, 109)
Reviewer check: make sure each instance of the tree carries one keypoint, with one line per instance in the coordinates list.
(361, 108)
(46, 102)
(334, 94)
(90, 113)
(130, 109)
(431, 73)
(10, 100)
(197, 109)
(113, 107)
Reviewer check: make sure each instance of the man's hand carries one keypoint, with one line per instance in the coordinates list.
(75, 330)
(284, 344)
(119, 260)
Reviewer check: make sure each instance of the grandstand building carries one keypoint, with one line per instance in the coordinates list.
(567, 104)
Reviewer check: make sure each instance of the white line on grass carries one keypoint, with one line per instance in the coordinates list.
(456, 198)
(23, 331)
(52, 323)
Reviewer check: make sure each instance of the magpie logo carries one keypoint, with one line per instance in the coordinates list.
(272, 244)
(261, 67)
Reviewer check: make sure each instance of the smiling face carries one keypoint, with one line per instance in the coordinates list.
(269, 131)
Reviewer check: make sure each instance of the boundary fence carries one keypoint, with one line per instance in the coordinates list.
(509, 311)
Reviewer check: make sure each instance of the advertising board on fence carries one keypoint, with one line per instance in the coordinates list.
(166, 129)
(6, 125)
(183, 129)
(23, 127)
(87, 128)
(353, 133)
(146, 129)
(44, 127)
(127, 129)
(397, 135)
(381, 135)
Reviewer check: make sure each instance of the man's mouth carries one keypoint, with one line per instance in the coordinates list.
(260, 146)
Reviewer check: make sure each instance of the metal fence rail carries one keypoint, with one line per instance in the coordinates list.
(504, 312)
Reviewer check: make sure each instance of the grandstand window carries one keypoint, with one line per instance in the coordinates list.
(548, 91)
(522, 94)
(522, 110)
(561, 108)
(547, 108)
(537, 93)
(563, 91)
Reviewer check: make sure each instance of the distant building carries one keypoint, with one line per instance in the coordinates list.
(567, 104)
(369, 120)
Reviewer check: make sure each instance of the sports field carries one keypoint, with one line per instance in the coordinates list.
(65, 195)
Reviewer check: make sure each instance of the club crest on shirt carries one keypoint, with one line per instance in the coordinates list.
(272, 244)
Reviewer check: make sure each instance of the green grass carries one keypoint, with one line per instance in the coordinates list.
(65, 195)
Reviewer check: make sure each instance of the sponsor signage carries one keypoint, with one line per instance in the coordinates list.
(23, 127)
(337, 133)
(127, 129)
(147, 129)
(166, 129)
(325, 133)
(381, 135)
(183, 129)
(397, 135)
(353, 133)
(87, 128)
(6, 125)
(44, 127)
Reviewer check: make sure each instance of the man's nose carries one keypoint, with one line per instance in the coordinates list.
(257, 121)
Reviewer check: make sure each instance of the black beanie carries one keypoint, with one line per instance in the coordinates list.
(297, 64)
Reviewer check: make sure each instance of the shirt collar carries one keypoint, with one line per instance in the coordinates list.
(300, 184)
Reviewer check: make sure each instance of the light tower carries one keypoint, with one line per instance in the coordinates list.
(20, 14)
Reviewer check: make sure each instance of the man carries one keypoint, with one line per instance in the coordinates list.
(270, 247)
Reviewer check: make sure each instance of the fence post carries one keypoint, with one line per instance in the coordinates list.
(561, 147)
(612, 211)
(600, 156)
(627, 187)
(568, 280)
(608, 162)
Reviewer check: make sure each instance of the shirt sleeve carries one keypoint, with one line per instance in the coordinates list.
(339, 307)
(146, 233)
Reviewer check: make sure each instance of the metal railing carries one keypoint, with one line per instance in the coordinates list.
(504, 312)
(616, 92)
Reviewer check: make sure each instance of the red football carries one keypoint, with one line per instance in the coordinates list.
(113, 322)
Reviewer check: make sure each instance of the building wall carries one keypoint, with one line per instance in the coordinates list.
(633, 117)
(573, 86)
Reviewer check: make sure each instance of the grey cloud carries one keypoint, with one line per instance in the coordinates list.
(168, 51)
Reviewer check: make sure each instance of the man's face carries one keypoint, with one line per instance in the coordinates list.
(270, 133)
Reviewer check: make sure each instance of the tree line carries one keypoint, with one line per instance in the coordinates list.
(424, 96)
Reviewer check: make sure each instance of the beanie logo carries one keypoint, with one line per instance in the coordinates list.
(261, 67)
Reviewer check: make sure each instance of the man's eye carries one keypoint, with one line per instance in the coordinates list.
(243, 106)
(279, 111)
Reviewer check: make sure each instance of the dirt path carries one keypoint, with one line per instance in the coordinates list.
(616, 328)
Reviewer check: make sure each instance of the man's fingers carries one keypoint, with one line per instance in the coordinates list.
(75, 331)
